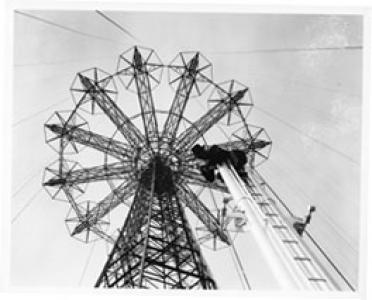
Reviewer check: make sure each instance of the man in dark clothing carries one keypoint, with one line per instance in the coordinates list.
(216, 156)
(301, 226)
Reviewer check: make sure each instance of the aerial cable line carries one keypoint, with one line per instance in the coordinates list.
(284, 50)
(336, 231)
(326, 217)
(300, 83)
(312, 239)
(323, 215)
(299, 162)
(302, 194)
(330, 148)
(330, 261)
(116, 24)
(32, 79)
(63, 27)
(59, 62)
(237, 268)
(291, 213)
(19, 213)
(39, 112)
(87, 263)
(239, 264)
(29, 179)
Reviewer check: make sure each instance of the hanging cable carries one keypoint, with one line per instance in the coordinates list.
(316, 244)
(239, 263)
(116, 24)
(343, 258)
(237, 268)
(327, 218)
(63, 27)
(25, 119)
(307, 167)
(330, 148)
(19, 213)
(87, 263)
(59, 62)
(302, 83)
(323, 214)
(318, 112)
(330, 261)
(288, 50)
(30, 178)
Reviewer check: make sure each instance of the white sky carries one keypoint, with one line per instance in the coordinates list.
(319, 93)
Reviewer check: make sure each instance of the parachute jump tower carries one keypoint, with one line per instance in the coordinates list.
(156, 169)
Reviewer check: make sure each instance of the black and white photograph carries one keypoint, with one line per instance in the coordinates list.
(207, 150)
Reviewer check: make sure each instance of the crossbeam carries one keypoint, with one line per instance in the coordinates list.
(88, 138)
(119, 195)
(191, 201)
(118, 170)
(194, 132)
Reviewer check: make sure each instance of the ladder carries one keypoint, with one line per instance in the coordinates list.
(291, 242)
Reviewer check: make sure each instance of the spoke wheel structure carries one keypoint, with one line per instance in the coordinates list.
(147, 166)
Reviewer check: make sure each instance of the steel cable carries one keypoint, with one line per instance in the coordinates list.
(72, 30)
(116, 24)
(289, 50)
(287, 124)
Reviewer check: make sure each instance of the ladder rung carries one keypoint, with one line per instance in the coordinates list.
(302, 258)
(280, 227)
(263, 203)
(256, 194)
(290, 241)
(271, 214)
(317, 279)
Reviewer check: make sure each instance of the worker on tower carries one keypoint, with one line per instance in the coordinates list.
(216, 156)
(300, 226)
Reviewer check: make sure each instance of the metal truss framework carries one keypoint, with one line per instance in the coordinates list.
(156, 246)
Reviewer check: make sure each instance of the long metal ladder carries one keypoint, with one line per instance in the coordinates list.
(265, 200)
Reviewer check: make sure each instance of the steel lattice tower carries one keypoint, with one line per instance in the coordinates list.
(156, 246)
